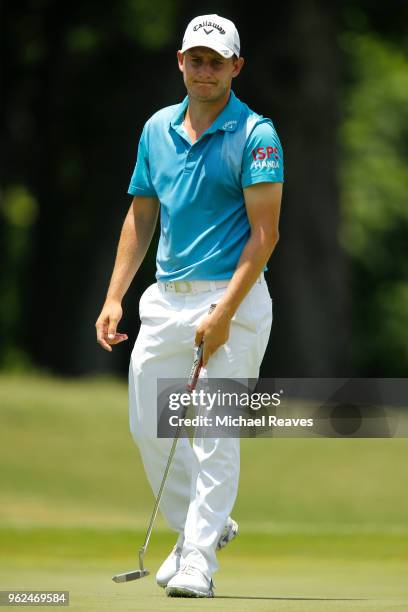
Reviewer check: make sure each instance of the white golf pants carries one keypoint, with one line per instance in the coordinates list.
(202, 484)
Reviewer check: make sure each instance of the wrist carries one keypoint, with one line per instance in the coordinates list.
(112, 298)
(225, 310)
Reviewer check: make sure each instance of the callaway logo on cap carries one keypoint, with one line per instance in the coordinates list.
(214, 32)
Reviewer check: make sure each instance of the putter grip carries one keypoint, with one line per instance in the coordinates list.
(198, 361)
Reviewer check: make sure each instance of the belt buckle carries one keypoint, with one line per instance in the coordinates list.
(183, 286)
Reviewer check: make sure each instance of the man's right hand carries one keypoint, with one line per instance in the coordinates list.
(107, 323)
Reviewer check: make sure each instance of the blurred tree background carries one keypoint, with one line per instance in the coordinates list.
(78, 82)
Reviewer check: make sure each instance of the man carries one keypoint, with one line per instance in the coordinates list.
(214, 168)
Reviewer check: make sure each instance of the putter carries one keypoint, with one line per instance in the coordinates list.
(191, 385)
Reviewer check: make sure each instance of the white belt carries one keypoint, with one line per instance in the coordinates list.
(196, 286)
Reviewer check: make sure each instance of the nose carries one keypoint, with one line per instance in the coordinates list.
(205, 71)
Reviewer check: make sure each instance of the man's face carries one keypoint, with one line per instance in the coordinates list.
(207, 74)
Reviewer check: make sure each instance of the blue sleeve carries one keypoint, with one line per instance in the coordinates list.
(141, 183)
(262, 161)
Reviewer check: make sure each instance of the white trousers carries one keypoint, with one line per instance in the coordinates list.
(202, 484)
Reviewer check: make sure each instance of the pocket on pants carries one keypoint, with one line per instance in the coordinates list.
(145, 297)
(261, 306)
(255, 311)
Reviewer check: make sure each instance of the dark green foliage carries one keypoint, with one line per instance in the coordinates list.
(79, 81)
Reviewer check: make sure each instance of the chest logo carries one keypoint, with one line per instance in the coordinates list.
(230, 125)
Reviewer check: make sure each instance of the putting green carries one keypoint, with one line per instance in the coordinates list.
(273, 572)
(323, 522)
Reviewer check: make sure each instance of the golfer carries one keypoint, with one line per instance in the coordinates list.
(212, 169)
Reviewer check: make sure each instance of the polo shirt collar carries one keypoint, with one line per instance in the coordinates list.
(178, 117)
(226, 121)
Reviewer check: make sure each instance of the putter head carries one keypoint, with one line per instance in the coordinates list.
(127, 576)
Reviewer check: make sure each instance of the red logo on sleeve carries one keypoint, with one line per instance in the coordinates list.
(261, 153)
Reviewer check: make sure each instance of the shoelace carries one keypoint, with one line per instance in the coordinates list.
(190, 570)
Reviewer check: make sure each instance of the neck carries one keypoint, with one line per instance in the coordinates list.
(200, 115)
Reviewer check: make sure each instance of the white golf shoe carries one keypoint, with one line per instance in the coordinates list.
(190, 582)
(229, 532)
(172, 564)
(169, 567)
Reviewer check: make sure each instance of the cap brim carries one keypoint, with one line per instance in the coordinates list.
(221, 49)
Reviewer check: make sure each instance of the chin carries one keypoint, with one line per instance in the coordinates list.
(202, 97)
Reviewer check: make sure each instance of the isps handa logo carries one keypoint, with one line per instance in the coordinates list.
(265, 157)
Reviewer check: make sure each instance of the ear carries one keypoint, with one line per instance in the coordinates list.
(238, 65)
(180, 60)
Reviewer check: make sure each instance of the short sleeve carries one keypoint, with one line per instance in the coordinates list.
(141, 183)
(262, 159)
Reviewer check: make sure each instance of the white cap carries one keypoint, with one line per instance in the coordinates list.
(214, 32)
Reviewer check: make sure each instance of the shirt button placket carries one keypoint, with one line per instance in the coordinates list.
(188, 168)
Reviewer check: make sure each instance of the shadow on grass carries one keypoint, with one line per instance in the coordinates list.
(291, 598)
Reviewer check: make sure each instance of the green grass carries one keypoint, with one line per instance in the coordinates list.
(272, 572)
(323, 522)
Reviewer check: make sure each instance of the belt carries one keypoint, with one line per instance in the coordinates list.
(196, 286)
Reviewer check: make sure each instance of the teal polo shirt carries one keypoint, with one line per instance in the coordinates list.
(204, 224)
